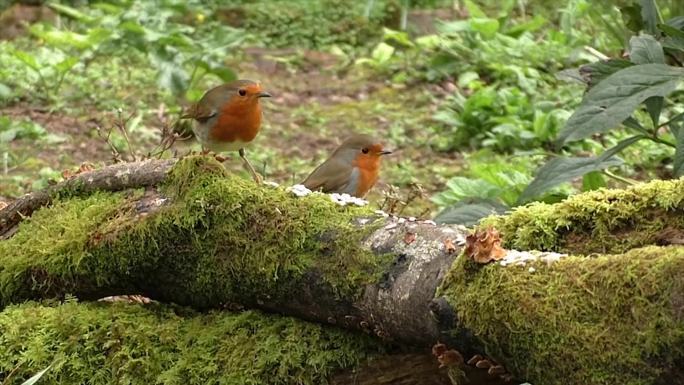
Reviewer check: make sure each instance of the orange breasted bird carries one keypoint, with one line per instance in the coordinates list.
(228, 117)
(353, 168)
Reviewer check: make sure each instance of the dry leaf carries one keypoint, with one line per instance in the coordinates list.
(475, 359)
(409, 238)
(483, 364)
(484, 246)
(84, 167)
(450, 358)
(496, 370)
(438, 349)
(449, 246)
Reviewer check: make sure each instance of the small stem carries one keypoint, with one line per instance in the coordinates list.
(619, 178)
(657, 139)
(677, 117)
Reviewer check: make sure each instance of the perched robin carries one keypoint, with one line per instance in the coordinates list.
(353, 168)
(228, 118)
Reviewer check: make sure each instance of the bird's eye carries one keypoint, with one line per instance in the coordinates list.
(365, 150)
(242, 92)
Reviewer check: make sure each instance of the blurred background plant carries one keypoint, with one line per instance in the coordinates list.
(489, 104)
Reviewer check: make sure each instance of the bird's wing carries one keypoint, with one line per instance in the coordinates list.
(331, 176)
(199, 112)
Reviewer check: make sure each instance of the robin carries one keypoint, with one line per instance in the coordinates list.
(353, 168)
(228, 118)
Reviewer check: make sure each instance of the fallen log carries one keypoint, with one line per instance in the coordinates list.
(204, 239)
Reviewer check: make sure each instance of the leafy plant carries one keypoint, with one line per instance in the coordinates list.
(181, 53)
(617, 91)
(639, 95)
(492, 184)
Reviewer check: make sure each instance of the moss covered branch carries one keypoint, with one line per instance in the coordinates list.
(612, 313)
(119, 343)
(208, 239)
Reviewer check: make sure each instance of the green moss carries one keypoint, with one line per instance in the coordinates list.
(610, 319)
(602, 221)
(134, 344)
(221, 238)
(50, 246)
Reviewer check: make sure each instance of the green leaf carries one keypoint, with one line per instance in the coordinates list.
(650, 16)
(382, 53)
(654, 106)
(36, 377)
(676, 22)
(678, 163)
(485, 26)
(674, 38)
(592, 181)
(71, 12)
(66, 64)
(462, 187)
(5, 91)
(27, 59)
(224, 73)
(473, 9)
(614, 99)
(593, 73)
(469, 212)
(561, 170)
(645, 49)
(631, 17)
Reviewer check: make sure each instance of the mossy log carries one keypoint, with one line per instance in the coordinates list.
(120, 343)
(205, 239)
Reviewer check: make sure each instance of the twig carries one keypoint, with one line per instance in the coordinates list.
(628, 181)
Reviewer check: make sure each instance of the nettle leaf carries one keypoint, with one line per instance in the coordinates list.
(592, 181)
(645, 49)
(678, 163)
(631, 17)
(561, 170)
(27, 59)
(593, 73)
(67, 64)
(650, 16)
(485, 26)
(614, 99)
(675, 36)
(470, 211)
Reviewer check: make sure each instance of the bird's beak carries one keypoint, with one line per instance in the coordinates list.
(385, 152)
(263, 95)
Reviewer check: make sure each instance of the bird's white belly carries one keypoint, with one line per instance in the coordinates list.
(202, 135)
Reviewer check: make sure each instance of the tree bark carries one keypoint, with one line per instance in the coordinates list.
(114, 178)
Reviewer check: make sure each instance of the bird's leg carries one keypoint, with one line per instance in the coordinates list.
(255, 175)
